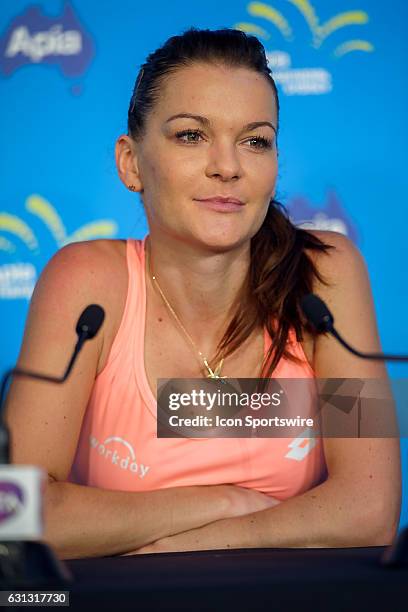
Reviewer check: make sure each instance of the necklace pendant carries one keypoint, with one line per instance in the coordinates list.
(217, 372)
(215, 375)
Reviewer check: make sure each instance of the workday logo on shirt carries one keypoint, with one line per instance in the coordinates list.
(119, 453)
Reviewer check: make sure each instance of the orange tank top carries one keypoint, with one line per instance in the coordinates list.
(118, 446)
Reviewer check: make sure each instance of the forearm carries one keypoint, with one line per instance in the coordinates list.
(325, 516)
(85, 521)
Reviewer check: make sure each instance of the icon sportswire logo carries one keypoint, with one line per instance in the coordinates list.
(35, 38)
(311, 80)
(119, 453)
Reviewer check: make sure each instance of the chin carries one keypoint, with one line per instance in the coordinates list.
(222, 242)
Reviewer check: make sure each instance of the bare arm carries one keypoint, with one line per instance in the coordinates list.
(45, 419)
(359, 503)
(329, 516)
(86, 521)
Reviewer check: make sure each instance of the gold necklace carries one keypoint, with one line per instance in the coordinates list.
(216, 373)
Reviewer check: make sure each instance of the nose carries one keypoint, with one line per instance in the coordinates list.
(223, 161)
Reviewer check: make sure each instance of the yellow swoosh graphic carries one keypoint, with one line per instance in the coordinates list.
(321, 32)
(308, 13)
(251, 28)
(40, 207)
(353, 45)
(340, 21)
(95, 229)
(16, 226)
(259, 9)
(6, 245)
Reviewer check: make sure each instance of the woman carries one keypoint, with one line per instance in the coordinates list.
(213, 291)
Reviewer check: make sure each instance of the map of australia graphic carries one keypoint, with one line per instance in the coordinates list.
(35, 38)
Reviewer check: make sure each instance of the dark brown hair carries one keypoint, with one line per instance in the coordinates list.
(281, 272)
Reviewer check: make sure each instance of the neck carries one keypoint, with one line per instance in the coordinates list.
(202, 286)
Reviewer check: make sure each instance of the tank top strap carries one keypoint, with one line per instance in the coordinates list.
(133, 313)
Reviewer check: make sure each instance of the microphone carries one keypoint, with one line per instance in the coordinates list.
(86, 328)
(23, 560)
(320, 317)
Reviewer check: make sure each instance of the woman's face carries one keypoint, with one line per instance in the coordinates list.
(211, 151)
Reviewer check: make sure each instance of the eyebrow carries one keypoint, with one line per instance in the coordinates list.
(204, 121)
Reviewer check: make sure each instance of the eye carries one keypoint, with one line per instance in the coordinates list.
(185, 135)
(261, 142)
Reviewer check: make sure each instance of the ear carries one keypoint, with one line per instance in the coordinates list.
(127, 163)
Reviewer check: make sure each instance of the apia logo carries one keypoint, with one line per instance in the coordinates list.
(123, 459)
(304, 81)
(332, 217)
(11, 500)
(34, 38)
(17, 279)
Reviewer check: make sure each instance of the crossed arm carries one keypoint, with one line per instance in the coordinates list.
(340, 512)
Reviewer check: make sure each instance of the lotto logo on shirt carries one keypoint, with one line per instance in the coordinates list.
(118, 452)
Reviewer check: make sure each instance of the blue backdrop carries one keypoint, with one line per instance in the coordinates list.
(67, 71)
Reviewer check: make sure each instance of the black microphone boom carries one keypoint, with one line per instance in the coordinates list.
(320, 317)
(87, 327)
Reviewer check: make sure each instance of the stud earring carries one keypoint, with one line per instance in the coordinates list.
(131, 188)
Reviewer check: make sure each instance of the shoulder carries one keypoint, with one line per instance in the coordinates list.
(84, 273)
(345, 287)
(92, 254)
(340, 267)
(83, 270)
(341, 258)
(341, 252)
(95, 261)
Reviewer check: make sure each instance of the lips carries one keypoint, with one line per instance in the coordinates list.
(222, 199)
(221, 204)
